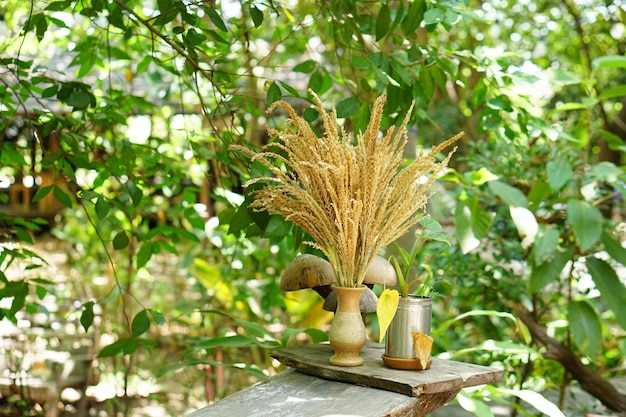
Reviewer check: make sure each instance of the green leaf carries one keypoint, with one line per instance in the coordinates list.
(23, 235)
(289, 89)
(606, 171)
(586, 221)
(121, 240)
(434, 15)
(547, 272)
(610, 61)
(240, 220)
(559, 173)
(383, 21)
(136, 195)
(227, 341)
(348, 107)
(140, 323)
(585, 104)
(474, 406)
(614, 247)
(472, 223)
(431, 224)
(62, 197)
(360, 62)
(102, 207)
(613, 92)
(442, 237)
(157, 317)
(386, 309)
(584, 325)
(216, 19)
(194, 38)
(612, 291)
(42, 192)
(114, 348)
(130, 347)
(257, 15)
(414, 17)
(277, 227)
(144, 254)
(510, 195)
(441, 329)
(186, 363)
(305, 67)
(273, 93)
(79, 98)
(546, 243)
(317, 335)
(254, 329)
(50, 91)
(500, 103)
(482, 176)
(537, 400)
(86, 318)
(563, 77)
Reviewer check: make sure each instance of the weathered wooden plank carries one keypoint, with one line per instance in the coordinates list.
(371, 390)
(294, 394)
(443, 375)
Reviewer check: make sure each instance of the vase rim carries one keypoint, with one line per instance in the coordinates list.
(348, 288)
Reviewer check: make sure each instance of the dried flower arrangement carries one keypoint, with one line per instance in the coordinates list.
(353, 197)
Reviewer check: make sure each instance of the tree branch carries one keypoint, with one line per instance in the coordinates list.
(177, 48)
(590, 380)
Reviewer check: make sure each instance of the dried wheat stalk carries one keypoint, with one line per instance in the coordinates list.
(352, 197)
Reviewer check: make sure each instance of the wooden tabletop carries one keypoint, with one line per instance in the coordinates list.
(314, 388)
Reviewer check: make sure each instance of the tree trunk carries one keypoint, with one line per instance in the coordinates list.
(590, 380)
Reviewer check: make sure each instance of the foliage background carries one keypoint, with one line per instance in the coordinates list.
(144, 99)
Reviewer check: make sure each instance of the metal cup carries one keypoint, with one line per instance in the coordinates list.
(414, 314)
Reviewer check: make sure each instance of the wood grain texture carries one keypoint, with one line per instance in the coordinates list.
(294, 394)
(371, 390)
(443, 375)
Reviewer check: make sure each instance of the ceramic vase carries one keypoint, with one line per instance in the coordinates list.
(347, 331)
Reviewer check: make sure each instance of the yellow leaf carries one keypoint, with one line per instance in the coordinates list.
(422, 345)
(386, 309)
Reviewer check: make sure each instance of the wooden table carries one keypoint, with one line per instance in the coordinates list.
(314, 388)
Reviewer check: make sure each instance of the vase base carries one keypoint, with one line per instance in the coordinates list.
(346, 360)
(406, 364)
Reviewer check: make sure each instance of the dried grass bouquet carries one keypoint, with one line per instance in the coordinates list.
(353, 197)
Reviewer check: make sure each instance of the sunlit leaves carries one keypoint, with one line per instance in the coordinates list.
(609, 61)
(509, 194)
(472, 223)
